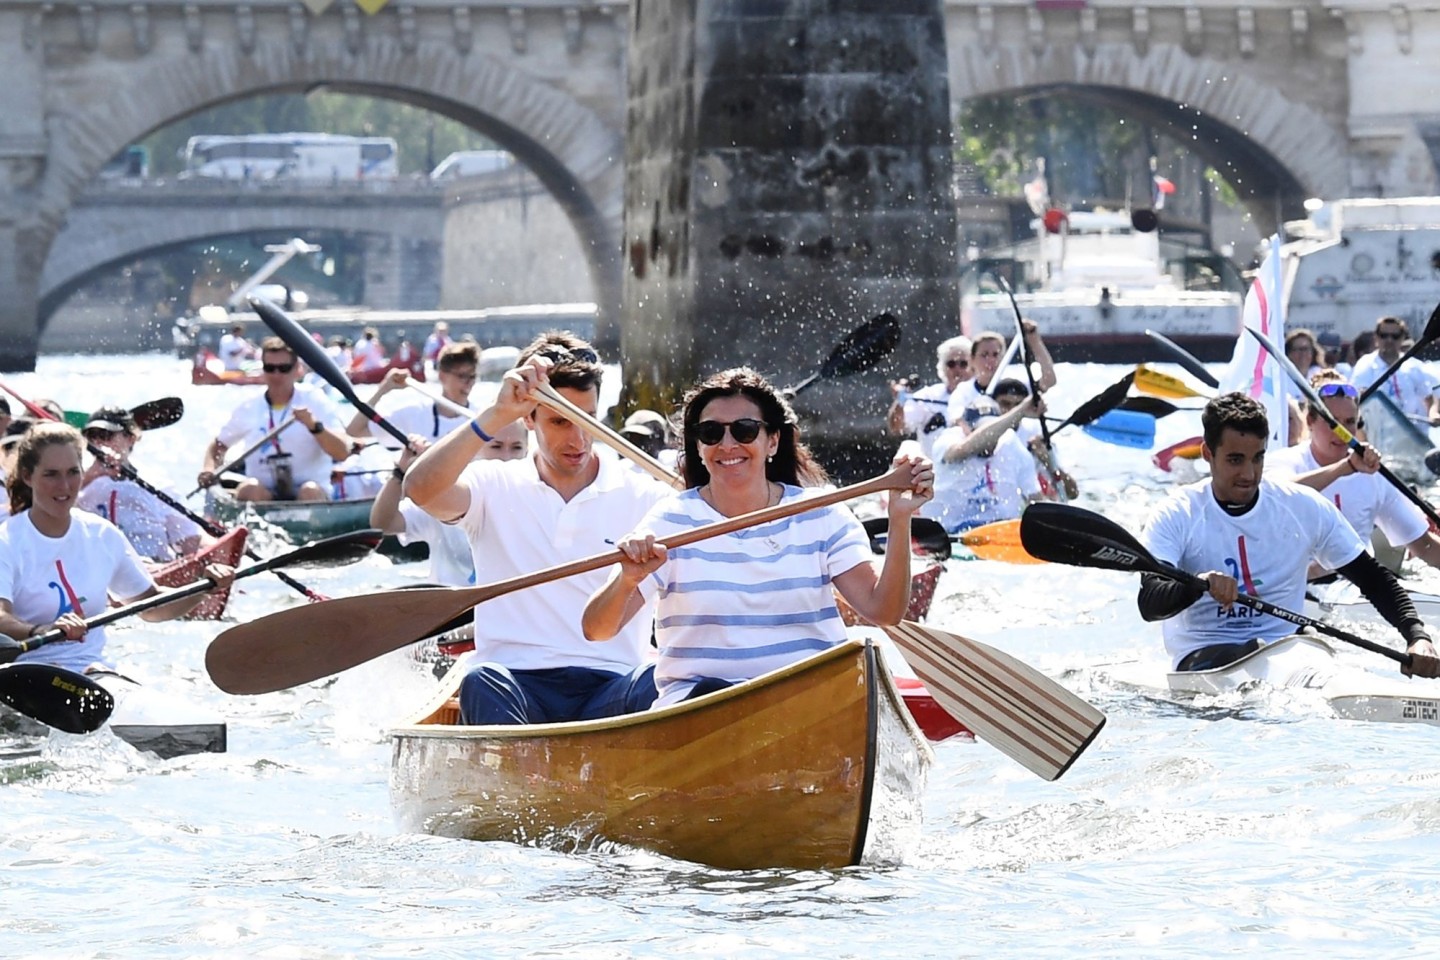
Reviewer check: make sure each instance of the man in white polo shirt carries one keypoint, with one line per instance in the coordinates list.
(561, 503)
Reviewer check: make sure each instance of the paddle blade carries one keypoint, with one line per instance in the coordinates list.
(997, 541)
(926, 536)
(1159, 384)
(305, 348)
(864, 347)
(55, 696)
(1124, 428)
(1064, 533)
(1150, 406)
(1101, 404)
(1007, 703)
(1185, 358)
(308, 643)
(155, 414)
(332, 551)
(1184, 450)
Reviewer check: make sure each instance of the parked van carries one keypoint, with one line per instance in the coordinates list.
(472, 163)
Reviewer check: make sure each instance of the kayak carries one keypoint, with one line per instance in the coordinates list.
(1342, 600)
(1300, 663)
(229, 550)
(302, 521)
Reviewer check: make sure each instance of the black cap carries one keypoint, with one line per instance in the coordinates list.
(113, 419)
(1010, 387)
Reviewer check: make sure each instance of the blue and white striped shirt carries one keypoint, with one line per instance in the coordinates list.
(740, 605)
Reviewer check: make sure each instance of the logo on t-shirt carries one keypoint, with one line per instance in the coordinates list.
(69, 602)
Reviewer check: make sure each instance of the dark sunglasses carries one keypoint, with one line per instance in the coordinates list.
(1390, 336)
(953, 363)
(278, 367)
(100, 433)
(744, 430)
(1338, 390)
(564, 354)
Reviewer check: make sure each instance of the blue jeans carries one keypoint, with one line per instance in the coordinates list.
(491, 693)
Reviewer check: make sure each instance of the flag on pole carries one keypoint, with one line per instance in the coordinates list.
(1159, 190)
(1252, 370)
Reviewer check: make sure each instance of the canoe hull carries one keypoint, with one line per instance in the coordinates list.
(305, 520)
(229, 550)
(778, 772)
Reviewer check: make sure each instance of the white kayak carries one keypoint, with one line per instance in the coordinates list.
(1342, 600)
(1301, 663)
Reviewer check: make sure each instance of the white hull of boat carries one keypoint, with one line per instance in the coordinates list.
(1343, 601)
(1300, 663)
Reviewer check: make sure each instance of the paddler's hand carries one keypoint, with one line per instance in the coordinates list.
(205, 479)
(904, 503)
(1224, 589)
(72, 624)
(415, 445)
(395, 379)
(223, 575)
(305, 418)
(1424, 661)
(519, 388)
(643, 556)
(1367, 460)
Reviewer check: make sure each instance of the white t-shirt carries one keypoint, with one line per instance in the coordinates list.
(367, 354)
(419, 415)
(1268, 550)
(255, 417)
(965, 394)
(980, 490)
(517, 524)
(450, 562)
(233, 351)
(43, 577)
(743, 604)
(1366, 500)
(152, 528)
(926, 414)
(1408, 386)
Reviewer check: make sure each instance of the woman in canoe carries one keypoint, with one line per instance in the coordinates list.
(57, 562)
(735, 607)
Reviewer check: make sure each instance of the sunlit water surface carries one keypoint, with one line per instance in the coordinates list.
(1212, 829)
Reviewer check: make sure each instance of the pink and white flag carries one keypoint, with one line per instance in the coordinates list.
(1252, 370)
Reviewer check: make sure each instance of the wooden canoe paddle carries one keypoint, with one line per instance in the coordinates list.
(303, 644)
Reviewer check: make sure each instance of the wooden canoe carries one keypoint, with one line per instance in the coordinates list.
(229, 550)
(788, 770)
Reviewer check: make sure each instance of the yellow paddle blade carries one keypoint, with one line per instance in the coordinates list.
(1159, 384)
(997, 541)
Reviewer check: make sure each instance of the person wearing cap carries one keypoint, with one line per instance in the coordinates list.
(59, 565)
(1351, 480)
(1411, 387)
(983, 473)
(1009, 394)
(158, 532)
(532, 663)
(650, 432)
(296, 463)
(985, 355)
(922, 413)
(1242, 531)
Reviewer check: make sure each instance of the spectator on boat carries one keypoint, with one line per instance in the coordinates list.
(923, 412)
(368, 354)
(758, 599)
(1239, 531)
(1303, 351)
(1411, 387)
(1352, 481)
(294, 464)
(158, 532)
(985, 355)
(437, 340)
(562, 503)
(58, 564)
(650, 431)
(413, 412)
(983, 472)
(235, 349)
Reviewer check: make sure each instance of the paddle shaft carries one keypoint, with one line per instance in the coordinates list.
(128, 472)
(235, 461)
(1346, 437)
(1185, 358)
(1431, 334)
(1030, 378)
(554, 400)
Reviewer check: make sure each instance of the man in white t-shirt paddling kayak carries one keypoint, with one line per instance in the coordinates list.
(562, 503)
(1241, 532)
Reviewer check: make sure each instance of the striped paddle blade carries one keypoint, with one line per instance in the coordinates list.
(1012, 706)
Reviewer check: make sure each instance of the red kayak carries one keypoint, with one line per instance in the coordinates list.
(228, 550)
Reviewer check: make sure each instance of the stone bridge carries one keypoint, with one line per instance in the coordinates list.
(1287, 99)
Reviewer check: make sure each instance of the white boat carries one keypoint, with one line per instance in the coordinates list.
(1342, 600)
(1095, 286)
(1298, 663)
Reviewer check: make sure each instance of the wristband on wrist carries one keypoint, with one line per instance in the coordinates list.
(475, 428)
(398, 473)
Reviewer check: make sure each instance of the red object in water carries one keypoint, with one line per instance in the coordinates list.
(1054, 220)
(929, 716)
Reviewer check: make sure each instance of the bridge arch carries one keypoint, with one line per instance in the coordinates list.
(575, 152)
(1274, 151)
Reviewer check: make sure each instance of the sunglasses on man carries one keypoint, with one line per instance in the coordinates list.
(1338, 390)
(278, 367)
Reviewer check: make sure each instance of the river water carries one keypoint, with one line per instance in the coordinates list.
(1221, 828)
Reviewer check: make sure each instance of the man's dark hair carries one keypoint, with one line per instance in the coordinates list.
(576, 364)
(1236, 411)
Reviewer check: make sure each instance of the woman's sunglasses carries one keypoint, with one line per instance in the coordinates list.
(953, 363)
(744, 430)
(1338, 390)
(277, 367)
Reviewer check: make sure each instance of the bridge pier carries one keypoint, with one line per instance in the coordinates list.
(788, 176)
(20, 263)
